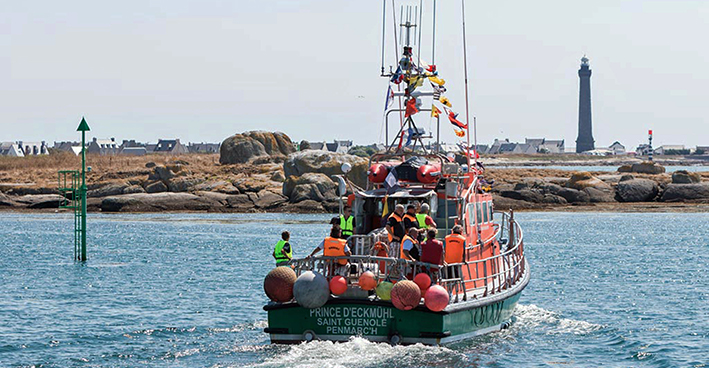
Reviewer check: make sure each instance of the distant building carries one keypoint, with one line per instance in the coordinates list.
(170, 146)
(339, 146)
(103, 147)
(11, 149)
(670, 149)
(543, 145)
(702, 150)
(617, 148)
(33, 148)
(523, 149)
(133, 151)
(204, 147)
(598, 152)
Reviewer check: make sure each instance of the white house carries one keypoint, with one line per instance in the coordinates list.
(617, 148)
(10, 149)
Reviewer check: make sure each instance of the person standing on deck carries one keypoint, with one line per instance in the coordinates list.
(283, 252)
(410, 217)
(424, 220)
(347, 223)
(409, 245)
(333, 246)
(395, 228)
(455, 249)
(432, 252)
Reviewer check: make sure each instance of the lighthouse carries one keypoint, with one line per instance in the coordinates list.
(584, 141)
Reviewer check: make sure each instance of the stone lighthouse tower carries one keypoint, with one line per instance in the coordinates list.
(585, 141)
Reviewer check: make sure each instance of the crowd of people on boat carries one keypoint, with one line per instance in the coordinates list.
(412, 235)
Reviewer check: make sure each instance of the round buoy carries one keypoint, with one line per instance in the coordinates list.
(278, 284)
(367, 281)
(311, 290)
(423, 281)
(338, 285)
(383, 290)
(405, 295)
(436, 298)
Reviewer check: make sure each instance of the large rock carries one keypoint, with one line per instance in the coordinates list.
(583, 179)
(526, 195)
(145, 202)
(161, 172)
(110, 189)
(266, 199)
(182, 184)
(40, 200)
(685, 177)
(574, 196)
(328, 163)
(315, 186)
(220, 186)
(647, 167)
(247, 146)
(156, 187)
(636, 190)
(5, 201)
(596, 195)
(685, 192)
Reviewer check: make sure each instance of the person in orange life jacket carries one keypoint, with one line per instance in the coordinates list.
(455, 250)
(432, 252)
(333, 246)
(395, 224)
(409, 245)
(410, 221)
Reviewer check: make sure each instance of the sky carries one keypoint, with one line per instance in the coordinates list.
(204, 70)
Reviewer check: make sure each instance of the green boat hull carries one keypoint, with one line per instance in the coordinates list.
(340, 319)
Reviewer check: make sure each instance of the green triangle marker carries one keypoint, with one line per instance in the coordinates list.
(83, 126)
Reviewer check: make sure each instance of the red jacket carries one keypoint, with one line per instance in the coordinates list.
(431, 251)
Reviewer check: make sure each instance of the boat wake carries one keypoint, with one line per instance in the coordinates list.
(359, 352)
(533, 317)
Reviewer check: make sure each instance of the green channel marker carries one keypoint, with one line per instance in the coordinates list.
(83, 128)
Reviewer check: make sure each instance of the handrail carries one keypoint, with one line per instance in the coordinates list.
(506, 268)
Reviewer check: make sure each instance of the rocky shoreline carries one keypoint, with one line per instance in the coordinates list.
(261, 172)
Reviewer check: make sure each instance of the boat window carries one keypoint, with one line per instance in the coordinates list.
(485, 218)
(478, 212)
(492, 210)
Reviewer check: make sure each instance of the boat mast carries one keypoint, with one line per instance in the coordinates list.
(465, 69)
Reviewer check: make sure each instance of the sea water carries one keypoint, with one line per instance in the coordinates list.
(185, 290)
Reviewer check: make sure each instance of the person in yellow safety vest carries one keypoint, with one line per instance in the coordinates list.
(347, 223)
(283, 252)
(424, 220)
(409, 245)
(333, 246)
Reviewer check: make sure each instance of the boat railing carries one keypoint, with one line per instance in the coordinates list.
(485, 277)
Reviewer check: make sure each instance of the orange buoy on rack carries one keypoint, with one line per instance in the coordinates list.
(405, 295)
(423, 281)
(338, 285)
(436, 298)
(367, 281)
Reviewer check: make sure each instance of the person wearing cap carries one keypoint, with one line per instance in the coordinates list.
(410, 217)
(424, 220)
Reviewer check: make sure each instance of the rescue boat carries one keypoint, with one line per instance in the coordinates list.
(475, 296)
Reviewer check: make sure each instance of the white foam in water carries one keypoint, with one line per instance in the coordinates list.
(532, 316)
(255, 325)
(358, 352)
